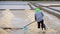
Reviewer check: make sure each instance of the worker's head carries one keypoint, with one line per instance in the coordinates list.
(37, 10)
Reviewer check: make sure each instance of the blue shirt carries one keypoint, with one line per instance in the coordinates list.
(38, 16)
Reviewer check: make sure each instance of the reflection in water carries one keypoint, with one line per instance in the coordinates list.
(41, 32)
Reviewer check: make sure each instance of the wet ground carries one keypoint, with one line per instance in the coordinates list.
(56, 8)
(51, 21)
(7, 16)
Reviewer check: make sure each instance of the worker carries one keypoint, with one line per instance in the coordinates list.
(39, 18)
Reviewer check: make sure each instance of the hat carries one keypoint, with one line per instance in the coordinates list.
(37, 10)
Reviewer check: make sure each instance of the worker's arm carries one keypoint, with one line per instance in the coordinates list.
(42, 14)
(35, 17)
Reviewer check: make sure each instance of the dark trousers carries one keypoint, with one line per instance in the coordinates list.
(42, 24)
